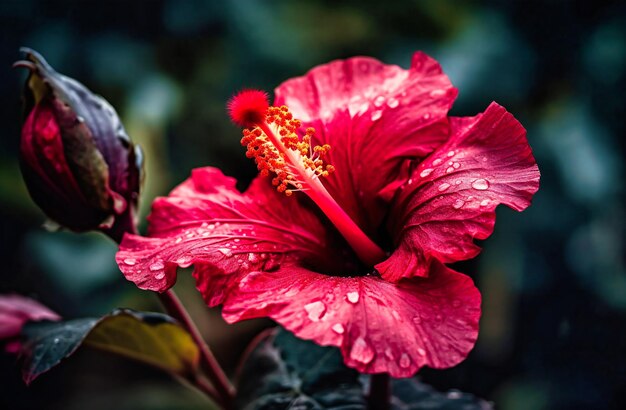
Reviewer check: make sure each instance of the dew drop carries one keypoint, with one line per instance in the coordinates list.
(421, 351)
(426, 116)
(184, 261)
(338, 328)
(363, 109)
(458, 182)
(443, 187)
(458, 204)
(379, 101)
(353, 297)
(315, 310)
(156, 266)
(484, 202)
(393, 103)
(437, 162)
(426, 172)
(376, 115)
(226, 252)
(456, 165)
(389, 353)
(450, 169)
(252, 257)
(159, 276)
(130, 261)
(361, 351)
(56, 340)
(178, 240)
(437, 93)
(480, 184)
(451, 153)
(405, 361)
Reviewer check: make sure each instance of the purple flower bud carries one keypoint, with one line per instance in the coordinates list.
(79, 165)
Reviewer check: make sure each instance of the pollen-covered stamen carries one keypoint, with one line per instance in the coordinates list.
(280, 150)
(297, 164)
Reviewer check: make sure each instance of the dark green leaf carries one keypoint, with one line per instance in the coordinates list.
(284, 372)
(151, 338)
(410, 394)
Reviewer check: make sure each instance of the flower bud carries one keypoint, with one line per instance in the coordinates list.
(79, 165)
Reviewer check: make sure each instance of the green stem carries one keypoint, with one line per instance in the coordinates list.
(380, 392)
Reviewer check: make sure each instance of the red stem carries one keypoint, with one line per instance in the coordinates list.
(175, 308)
(223, 391)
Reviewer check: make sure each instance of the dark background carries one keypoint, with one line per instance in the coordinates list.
(553, 332)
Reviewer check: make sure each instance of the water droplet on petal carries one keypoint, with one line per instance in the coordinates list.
(376, 115)
(338, 328)
(361, 351)
(456, 165)
(426, 172)
(315, 310)
(426, 116)
(159, 276)
(156, 266)
(389, 353)
(437, 93)
(451, 153)
(226, 252)
(353, 297)
(405, 361)
(184, 261)
(421, 351)
(450, 169)
(178, 240)
(480, 184)
(443, 186)
(484, 202)
(437, 162)
(458, 203)
(252, 257)
(379, 101)
(130, 261)
(393, 103)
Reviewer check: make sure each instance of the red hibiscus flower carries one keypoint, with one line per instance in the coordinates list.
(372, 188)
(15, 311)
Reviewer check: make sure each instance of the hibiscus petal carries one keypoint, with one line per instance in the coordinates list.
(451, 198)
(207, 220)
(379, 326)
(374, 116)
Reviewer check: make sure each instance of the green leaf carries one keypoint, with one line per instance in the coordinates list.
(151, 338)
(410, 394)
(285, 372)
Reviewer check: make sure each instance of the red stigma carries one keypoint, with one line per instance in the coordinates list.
(248, 107)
